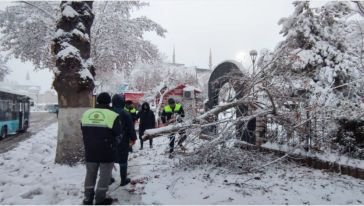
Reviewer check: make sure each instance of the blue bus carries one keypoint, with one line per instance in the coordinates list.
(14, 113)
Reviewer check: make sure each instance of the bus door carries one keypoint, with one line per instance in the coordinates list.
(26, 114)
(20, 105)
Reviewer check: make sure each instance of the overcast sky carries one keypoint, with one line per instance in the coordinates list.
(231, 28)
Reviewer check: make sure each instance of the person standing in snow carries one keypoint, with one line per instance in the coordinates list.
(173, 112)
(130, 109)
(147, 121)
(101, 129)
(129, 137)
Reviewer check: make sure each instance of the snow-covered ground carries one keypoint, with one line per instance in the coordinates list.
(29, 176)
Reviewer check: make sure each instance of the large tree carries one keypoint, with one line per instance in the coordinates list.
(74, 78)
(118, 43)
(315, 73)
(316, 54)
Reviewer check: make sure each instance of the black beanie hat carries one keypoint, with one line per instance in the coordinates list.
(103, 98)
(171, 101)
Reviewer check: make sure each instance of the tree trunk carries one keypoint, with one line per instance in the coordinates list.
(73, 77)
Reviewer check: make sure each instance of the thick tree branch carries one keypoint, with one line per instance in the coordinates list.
(197, 122)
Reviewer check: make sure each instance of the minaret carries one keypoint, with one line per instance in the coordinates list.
(174, 56)
(210, 60)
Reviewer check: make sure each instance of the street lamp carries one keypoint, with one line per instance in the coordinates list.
(253, 55)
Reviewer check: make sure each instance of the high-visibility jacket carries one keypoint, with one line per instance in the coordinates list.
(133, 112)
(100, 129)
(168, 111)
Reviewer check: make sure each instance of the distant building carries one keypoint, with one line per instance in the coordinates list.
(202, 75)
(48, 97)
(188, 95)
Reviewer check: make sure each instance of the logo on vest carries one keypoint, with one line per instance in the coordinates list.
(96, 117)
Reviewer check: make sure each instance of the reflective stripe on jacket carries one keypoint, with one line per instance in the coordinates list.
(131, 111)
(168, 108)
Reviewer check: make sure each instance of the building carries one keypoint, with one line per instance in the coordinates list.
(187, 95)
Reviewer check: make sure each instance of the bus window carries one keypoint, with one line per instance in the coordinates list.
(26, 107)
(2, 110)
(7, 110)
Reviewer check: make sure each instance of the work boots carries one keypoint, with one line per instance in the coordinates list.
(125, 182)
(106, 201)
(123, 174)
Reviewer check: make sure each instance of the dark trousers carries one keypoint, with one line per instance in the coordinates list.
(123, 171)
(141, 133)
(172, 138)
(123, 164)
(92, 169)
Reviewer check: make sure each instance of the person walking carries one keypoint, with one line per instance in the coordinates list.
(101, 129)
(173, 112)
(129, 137)
(146, 121)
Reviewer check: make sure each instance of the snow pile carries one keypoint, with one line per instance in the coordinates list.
(172, 181)
(29, 176)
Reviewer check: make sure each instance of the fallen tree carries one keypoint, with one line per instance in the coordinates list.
(203, 120)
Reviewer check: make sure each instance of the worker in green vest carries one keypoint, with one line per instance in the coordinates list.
(101, 130)
(130, 108)
(173, 112)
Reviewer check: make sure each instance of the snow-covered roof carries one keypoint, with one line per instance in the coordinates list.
(191, 88)
(11, 90)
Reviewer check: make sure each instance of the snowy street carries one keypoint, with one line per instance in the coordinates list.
(38, 121)
(29, 176)
(239, 102)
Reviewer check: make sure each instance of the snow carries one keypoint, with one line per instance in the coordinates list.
(332, 157)
(191, 88)
(85, 73)
(80, 34)
(67, 51)
(29, 176)
(68, 11)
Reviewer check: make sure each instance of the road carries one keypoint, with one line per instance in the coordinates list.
(38, 121)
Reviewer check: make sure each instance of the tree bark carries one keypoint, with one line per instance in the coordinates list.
(73, 77)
